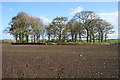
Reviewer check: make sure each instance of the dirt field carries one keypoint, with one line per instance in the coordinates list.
(60, 61)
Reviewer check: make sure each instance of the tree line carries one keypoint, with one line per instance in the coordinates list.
(84, 24)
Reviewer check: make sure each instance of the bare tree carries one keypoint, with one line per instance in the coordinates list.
(36, 27)
(82, 17)
(71, 28)
(107, 30)
(49, 31)
(59, 22)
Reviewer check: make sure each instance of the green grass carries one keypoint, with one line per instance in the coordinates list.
(3, 42)
(110, 41)
(113, 41)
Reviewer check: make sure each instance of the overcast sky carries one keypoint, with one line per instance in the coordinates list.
(49, 10)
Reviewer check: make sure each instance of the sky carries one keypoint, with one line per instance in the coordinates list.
(49, 10)
(59, 0)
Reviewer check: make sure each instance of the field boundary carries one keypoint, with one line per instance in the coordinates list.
(64, 43)
(28, 43)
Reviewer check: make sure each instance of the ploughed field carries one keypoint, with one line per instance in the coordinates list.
(59, 61)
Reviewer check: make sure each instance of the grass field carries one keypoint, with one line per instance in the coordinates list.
(111, 41)
(60, 61)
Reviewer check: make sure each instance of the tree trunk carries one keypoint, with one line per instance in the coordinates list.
(31, 40)
(101, 37)
(87, 35)
(93, 38)
(49, 37)
(34, 38)
(27, 38)
(72, 35)
(75, 37)
(37, 38)
(16, 38)
(23, 36)
(42, 38)
(60, 36)
(79, 37)
(105, 37)
(90, 38)
(20, 38)
(54, 38)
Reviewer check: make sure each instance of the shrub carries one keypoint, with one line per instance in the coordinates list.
(50, 43)
(3, 42)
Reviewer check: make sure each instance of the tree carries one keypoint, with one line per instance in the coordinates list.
(108, 29)
(36, 27)
(59, 22)
(42, 33)
(80, 29)
(18, 26)
(54, 30)
(71, 28)
(84, 23)
(82, 17)
(91, 22)
(39, 25)
(65, 33)
(23, 24)
(49, 31)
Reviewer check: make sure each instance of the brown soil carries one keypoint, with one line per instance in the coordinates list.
(60, 61)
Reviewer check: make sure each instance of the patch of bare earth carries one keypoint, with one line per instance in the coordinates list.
(60, 61)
